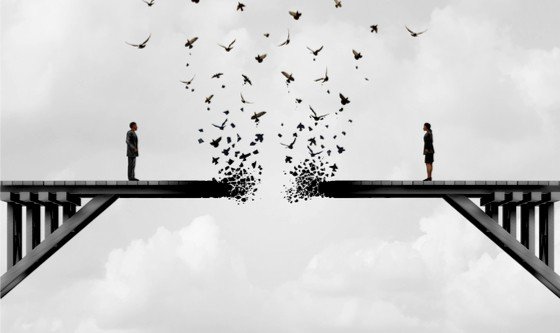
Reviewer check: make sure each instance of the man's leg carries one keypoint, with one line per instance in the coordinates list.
(131, 165)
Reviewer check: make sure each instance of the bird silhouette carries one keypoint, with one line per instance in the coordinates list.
(141, 45)
(240, 6)
(337, 3)
(229, 47)
(288, 159)
(324, 78)
(226, 151)
(149, 3)
(315, 52)
(246, 80)
(216, 142)
(188, 83)
(289, 77)
(260, 57)
(415, 34)
(343, 99)
(315, 116)
(299, 100)
(373, 28)
(208, 99)
(244, 101)
(256, 116)
(312, 153)
(300, 127)
(312, 141)
(259, 137)
(190, 42)
(357, 55)
(287, 41)
(340, 149)
(215, 160)
(296, 15)
(217, 75)
(290, 145)
(266, 34)
(222, 126)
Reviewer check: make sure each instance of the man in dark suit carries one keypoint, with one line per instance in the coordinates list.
(132, 150)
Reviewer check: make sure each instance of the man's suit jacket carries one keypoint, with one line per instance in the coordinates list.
(131, 144)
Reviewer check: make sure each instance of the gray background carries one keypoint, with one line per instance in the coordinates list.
(486, 75)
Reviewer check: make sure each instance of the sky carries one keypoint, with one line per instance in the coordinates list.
(486, 75)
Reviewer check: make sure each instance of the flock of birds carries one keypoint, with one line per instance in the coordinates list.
(236, 155)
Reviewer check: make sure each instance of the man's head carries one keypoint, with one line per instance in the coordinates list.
(133, 126)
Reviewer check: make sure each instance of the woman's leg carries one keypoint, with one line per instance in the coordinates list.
(429, 168)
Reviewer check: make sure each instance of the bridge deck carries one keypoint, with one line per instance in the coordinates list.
(430, 189)
(124, 189)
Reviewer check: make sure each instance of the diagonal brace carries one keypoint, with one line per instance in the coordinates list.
(55, 241)
(506, 241)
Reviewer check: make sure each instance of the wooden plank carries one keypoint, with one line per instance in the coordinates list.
(56, 240)
(506, 242)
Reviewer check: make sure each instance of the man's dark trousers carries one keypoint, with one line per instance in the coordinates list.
(131, 166)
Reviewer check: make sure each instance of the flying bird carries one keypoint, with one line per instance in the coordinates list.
(340, 149)
(343, 99)
(256, 116)
(315, 116)
(288, 159)
(296, 15)
(188, 83)
(222, 126)
(190, 42)
(216, 142)
(324, 78)
(373, 28)
(208, 99)
(337, 3)
(246, 80)
(229, 47)
(312, 153)
(240, 6)
(287, 41)
(149, 3)
(357, 55)
(291, 145)
(215, 160)
(289, 77)
(260, 57)
(244, 101)
(217, 75)
(299, 100)
(266, 34)
(415, 34)
(141, 45)
(315, 52)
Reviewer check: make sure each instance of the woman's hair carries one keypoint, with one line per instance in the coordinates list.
(428, 126)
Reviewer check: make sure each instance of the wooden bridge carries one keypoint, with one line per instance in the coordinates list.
(508, 206)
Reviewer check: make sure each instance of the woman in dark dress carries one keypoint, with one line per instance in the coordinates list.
(428, 150)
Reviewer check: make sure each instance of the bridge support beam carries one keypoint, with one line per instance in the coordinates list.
(56, 240)
(14, 233)
(506, 242)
